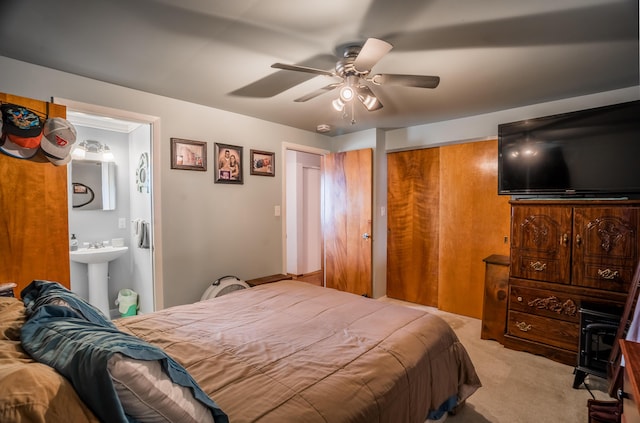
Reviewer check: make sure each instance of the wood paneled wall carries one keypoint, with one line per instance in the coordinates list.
(444, 218)
(34, 228)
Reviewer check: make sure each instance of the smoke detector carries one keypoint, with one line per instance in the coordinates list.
(323, 127)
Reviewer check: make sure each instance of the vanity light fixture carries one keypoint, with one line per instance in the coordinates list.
(91, 149)
(79, 152)
(107, 155)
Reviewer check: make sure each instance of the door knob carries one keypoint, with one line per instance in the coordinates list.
(366, 235)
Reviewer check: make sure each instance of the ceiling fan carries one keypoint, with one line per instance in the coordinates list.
(354, 70)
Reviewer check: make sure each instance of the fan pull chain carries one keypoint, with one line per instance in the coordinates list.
(353, 113)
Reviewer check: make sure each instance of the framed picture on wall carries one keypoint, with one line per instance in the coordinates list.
(263, 163)
(228, 165)
(188, 155)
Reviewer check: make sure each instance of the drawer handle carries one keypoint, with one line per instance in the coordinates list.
(564, 239)
(538, 267)
(554, 304)
(519, 299)
(608, 274)
(523, 326)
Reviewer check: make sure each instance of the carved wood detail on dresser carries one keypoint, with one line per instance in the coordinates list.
(565, 253)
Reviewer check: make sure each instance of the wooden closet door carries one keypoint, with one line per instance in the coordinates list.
(34, 228)
(474, 223)
(444, 218)
(413, 201)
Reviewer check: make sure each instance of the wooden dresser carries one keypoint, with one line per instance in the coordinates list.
(564, 253)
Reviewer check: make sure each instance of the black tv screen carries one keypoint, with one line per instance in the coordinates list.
(594, 152)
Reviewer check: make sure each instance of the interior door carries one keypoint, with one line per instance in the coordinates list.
(34, 232)
(347, 218)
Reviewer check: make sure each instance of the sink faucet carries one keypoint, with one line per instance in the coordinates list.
(96, 245)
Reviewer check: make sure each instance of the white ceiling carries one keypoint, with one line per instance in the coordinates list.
(490, 54)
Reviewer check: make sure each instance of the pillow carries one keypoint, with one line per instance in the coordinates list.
(11, 318)
(147, 393)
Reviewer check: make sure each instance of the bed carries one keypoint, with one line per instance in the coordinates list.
(290, 351)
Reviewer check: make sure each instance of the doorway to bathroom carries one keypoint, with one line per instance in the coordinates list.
(131, 215)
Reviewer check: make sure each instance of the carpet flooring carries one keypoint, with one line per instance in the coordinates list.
(517, 387)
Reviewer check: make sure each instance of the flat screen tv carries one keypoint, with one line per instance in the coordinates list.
(588, 153)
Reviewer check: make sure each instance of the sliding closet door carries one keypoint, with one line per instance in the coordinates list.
(444, 217)
(413, 198)
(474, 223)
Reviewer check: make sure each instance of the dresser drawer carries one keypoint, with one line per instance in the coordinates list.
(538, 268)
(544, 303)
(557, 333)
(607, 277)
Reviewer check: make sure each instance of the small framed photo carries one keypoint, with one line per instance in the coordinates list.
(263, 163)
(79, 188)
(188, 155)
(228, 165)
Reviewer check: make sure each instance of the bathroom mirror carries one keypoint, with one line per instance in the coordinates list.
(93, 185)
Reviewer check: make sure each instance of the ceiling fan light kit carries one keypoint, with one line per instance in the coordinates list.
(338, 104)
(346, 94)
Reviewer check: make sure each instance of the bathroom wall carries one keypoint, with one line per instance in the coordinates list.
(141, 270)
(102, 225)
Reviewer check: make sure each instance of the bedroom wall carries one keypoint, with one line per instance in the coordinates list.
(141, 268)
(208, 230)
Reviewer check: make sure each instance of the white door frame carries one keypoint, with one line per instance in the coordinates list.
(158, 291)
(283, 169)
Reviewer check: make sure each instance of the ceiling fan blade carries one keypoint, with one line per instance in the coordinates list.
(281, 81)
(372, 51)
(317, 92)
(419, 81)
(298, 68)
(370, 101)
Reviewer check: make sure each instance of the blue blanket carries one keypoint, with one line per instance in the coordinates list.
(66, 333)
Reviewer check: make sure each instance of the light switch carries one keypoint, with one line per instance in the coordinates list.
(122, 223)
(276, 211)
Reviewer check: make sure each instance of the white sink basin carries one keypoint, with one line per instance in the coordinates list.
(97, 255)
(97, 261)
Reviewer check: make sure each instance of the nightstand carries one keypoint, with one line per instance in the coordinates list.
(268, 279)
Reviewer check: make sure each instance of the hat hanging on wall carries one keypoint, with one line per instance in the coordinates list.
(21, 131)
(59, 137)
